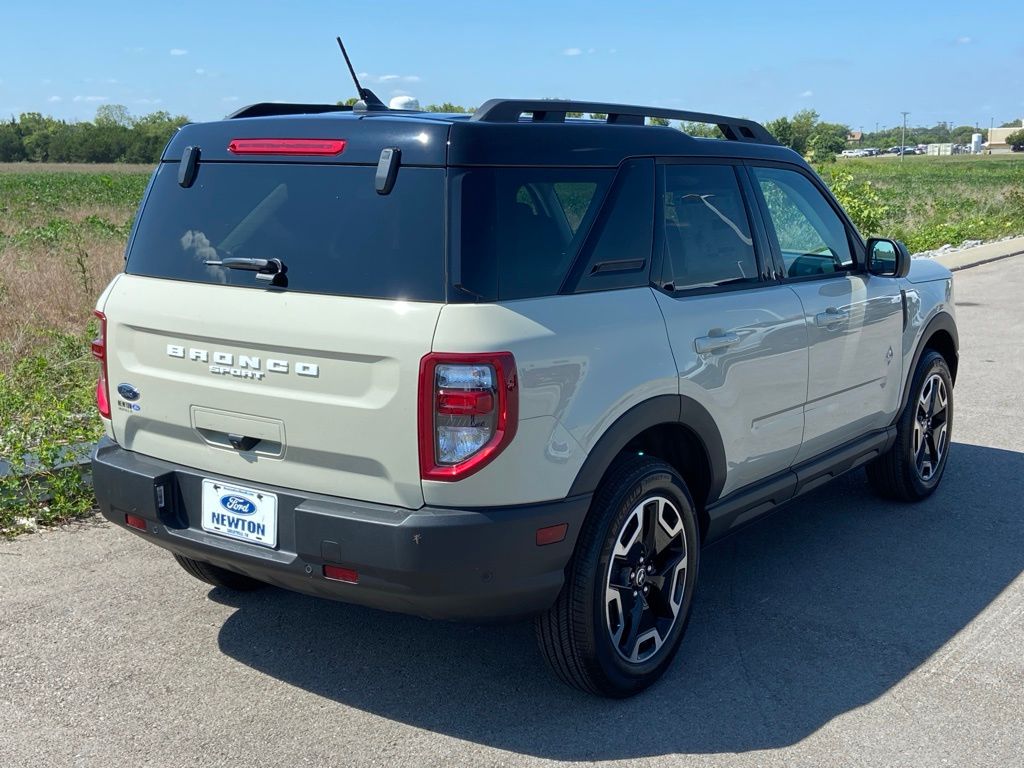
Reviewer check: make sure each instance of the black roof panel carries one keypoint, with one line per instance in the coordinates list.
(492, 137)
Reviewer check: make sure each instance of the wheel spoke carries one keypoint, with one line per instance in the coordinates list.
(650, 523)
(636, 615)
(933, 451)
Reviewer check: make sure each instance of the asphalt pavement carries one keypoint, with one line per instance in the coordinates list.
(842, 631)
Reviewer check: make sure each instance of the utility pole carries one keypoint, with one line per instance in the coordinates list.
(903, 137)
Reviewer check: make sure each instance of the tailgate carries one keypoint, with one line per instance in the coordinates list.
(321, 389)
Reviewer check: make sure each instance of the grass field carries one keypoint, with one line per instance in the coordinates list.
(62, 237)
(931, 201)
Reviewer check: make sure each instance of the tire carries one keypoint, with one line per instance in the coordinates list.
(913, 467)
(590, 636)
(217, 576)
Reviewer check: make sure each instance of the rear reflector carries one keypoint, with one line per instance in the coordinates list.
(552, 534)
(135, 522)
(286, 146)
(337, 573)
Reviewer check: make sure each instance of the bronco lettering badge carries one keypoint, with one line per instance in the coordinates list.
(245, 367)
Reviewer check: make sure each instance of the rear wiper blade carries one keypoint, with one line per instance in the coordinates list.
(265, 269)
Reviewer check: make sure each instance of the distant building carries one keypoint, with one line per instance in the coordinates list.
(854, 137)
(997, 137)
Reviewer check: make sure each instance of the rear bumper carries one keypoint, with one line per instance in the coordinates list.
(433, 562)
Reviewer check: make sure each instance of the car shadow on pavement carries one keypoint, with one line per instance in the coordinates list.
(799, 618)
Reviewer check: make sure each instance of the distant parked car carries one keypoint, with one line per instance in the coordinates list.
(850, 153)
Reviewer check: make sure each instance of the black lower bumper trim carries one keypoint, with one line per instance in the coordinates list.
(472, 564)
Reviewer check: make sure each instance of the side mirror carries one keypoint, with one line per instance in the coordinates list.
(887, 258)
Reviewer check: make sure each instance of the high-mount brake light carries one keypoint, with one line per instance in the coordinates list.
(320, 147)
(99, 351)
(468, 412)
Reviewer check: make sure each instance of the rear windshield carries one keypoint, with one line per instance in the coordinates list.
(326, 223)
(520, 228)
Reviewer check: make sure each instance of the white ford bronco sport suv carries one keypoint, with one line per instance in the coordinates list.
(504, 364)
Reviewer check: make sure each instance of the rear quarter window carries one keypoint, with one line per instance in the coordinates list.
(519, 229)
(328, 225)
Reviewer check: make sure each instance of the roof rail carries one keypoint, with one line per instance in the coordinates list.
(269, 108)
(554, 110)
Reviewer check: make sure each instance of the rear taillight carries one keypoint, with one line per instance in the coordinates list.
(99, 351)
(468, 412)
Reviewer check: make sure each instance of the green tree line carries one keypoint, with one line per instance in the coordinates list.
(117, 136)
(114, 136)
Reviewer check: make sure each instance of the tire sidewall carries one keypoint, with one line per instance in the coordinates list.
(658, 480)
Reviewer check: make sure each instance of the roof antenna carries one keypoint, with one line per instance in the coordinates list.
(368, 100)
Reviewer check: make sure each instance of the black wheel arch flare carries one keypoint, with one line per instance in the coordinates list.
(943, 321)
(663, 409)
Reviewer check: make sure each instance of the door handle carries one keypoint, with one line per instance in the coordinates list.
(831, 317)
(713, 343)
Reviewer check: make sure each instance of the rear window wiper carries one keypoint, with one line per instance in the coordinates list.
(265, 269)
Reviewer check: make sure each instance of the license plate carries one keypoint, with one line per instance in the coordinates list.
(241, 513)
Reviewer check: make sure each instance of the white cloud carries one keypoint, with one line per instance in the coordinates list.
(806, 94)
(572, 52)
(135, 50)
(591, 50)
(965, 40)
(230, 98)
(111, 80)
(370, 78)
(613, 50)
(200, 71)
(178, 51)
(148, 101)
(54, 99)
(89, 98)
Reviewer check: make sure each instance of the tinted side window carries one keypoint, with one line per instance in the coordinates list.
(519, 228)
(810, 234)
(705, 230)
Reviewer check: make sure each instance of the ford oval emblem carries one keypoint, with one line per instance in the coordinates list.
(237, 505)
(128, 392)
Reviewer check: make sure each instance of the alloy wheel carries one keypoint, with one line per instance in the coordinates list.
(931, 427)
(646, 579)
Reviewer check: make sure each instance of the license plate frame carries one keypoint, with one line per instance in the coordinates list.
(240, 513)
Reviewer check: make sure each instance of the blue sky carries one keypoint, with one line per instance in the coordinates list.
(856, 63)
